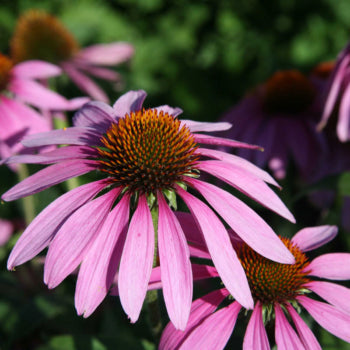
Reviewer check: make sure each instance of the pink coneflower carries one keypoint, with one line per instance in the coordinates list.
(281, 116)
(337, 96)
(18, 90)
(279, 291)
(39, 35)
(145, 156)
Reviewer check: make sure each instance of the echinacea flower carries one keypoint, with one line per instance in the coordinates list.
(338, 95)
(18, 90)
(146, 157)
(281, 116)
(39, 35)
(279, 292)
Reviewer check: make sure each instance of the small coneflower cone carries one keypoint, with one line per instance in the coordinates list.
(147, 151)
(39, 35)
(288, 92)
(271, 282)
(5, 69)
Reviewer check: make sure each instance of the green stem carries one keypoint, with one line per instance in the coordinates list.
(152, 296)
(27, 202)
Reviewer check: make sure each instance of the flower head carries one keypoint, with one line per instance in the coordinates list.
(146, 158)
(278, 290)
(281, 116)
(39, 35)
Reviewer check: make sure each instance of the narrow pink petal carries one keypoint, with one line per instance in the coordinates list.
(286, 338)
(215, 331)
(335, 294)
(195, 126)
(191, 229)
(334, 266)
(6, 230)
(43, 228)
(57, 155)
(49, 176)
(199, 252)
(36, 70)
(328, 317)
(219, 141)
(306, 336)
(170, 110)
(103, 73)
(245, 222)
(73, 136)
(175, 265)
(310, 238)
(239, 162)
(343, 124)
(38, 95)
(106, 54)
(201, 308)
(255, 336)
(130, 102)
(99, 267)
(220, 248)
(75, 238)
(247, 183)
(136, 261)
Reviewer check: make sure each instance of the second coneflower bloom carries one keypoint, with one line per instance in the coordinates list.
(146, 157)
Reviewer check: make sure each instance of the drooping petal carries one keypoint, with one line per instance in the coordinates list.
(245, 222)
(191, 229)
(328, 317)
(286, 338)
(175, 265)
(49, 176)
(255, 336)
(136, 261)
(247, 183)
(35, 69)
(335, 294)
(343, 125)
(170, 110)
(220, 248)
(129, 102)
(99, 267)
(306, 336)
(201, 308)
(310, 238)
(75, 237)
(215, 331)
(333, 266)
(195, 126)
(43, 228)
(99, 72)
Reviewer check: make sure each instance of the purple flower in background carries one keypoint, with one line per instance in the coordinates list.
(278, 291)
(146, 157)
(281, 116)
(39, 35)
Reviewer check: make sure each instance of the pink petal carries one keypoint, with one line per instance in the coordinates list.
(170, 110)
(106, 54)
(199, 252)
(103, 73)
(328, 317)
(247, 183)
(335, 294)
(175, 265)
(245, 222)
(36, 70)
(6, 230)
(75, 237)
(201, 308)
(43, 228)
(130, 102)
(220, 249)
(136, 261)
(215, 331)
(99, 267)
(191, 230)
(255, 336)
(49, 176)
(286, 338)
(195, 126)
(334, 266)
(306, 336)
(344, 118)
(310, 238)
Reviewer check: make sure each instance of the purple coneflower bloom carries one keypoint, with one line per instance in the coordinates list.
(281, 116)
(39, 35)
(278, 291)
(146, 156)
(18, 90)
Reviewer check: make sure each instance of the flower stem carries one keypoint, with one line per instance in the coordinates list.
(27, 202)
